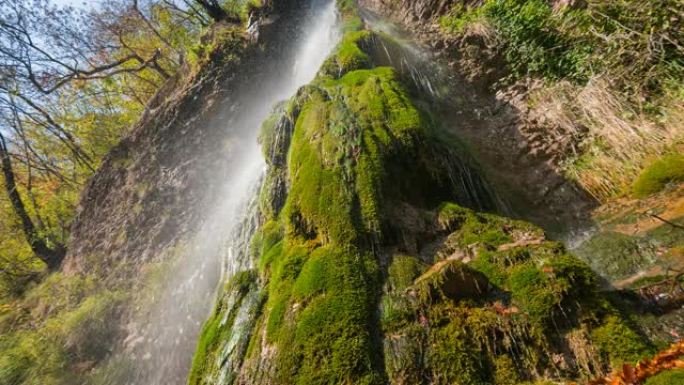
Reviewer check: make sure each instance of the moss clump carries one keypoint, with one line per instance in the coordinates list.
(330, 339)
(474, 228)
(403, 271)
(505, 371)
(670, 377)
(516, 294)
(348, 55)
(654, 178)
(358, 145)
(350, 137)
(619, 343)
(453, 356)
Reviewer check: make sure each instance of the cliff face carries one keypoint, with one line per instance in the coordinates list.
(156, 186)
(367, 272)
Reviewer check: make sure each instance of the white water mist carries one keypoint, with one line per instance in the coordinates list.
(166, 342)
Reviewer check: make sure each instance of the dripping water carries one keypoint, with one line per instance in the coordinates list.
(159, 349)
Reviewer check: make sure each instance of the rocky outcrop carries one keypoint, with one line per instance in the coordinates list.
(370, 275)
(511, 143)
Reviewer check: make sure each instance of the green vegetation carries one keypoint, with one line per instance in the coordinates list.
(534, 294)
(535, 42)
(619, 343)
(576, 42)
(670, 377)
(655, 177)
(62, 323)
(611, 76)
(56, 328)
(222, 329)
(351, 144)
(352, 147)
(59, 128)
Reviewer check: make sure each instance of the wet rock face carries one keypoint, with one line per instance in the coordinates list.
(150, 189)
(157, 184)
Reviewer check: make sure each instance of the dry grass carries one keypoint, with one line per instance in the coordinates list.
(612, 140)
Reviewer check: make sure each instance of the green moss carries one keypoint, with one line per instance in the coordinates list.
(505, 372)
(219, 328)
(619, 343)
(209, 338)
(654, 178)
(360, 151)
(266, 243)
(451, 216)
(487, 264)
(453, 358)
(669, 377)
(534, 292)
(552, 290)
(403, 271)
(345, 137)
(322, 280)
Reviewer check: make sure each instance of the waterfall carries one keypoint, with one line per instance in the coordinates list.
(160, 349)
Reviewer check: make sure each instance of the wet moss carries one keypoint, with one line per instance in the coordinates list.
(348, 56)
(403, 271)
(317, 253)
(619, 343)
(668, 169)
(452, 357)
(218, 329)
(505, 371)
(670, 377)
(516, 294)
(346, 136)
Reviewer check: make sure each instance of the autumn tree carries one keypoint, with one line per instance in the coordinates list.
(71, 83)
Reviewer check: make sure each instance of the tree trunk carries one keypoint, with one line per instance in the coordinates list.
(51, 256)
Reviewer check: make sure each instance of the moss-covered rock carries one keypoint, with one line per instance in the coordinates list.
(369, 276)
(501, 288)
(225, 336)
(618, 255)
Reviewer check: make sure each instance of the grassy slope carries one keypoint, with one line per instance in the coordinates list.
(611, 72)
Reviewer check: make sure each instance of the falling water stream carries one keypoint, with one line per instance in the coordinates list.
(162, 346)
